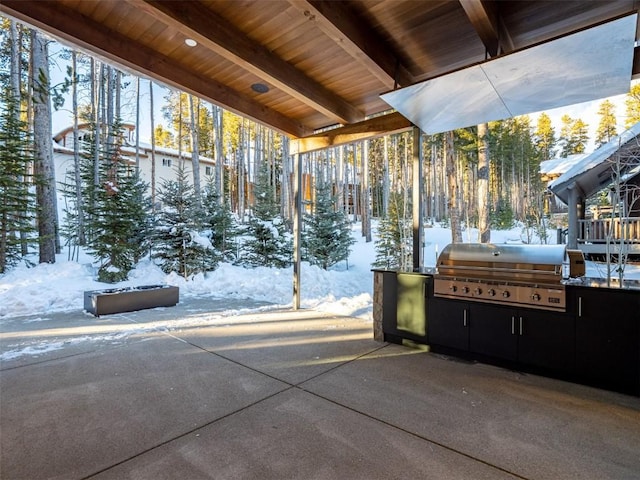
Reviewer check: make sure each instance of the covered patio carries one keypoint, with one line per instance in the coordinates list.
(275, 394)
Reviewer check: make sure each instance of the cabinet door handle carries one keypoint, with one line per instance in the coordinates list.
(579, 306)
(521, 326)
(464, 317)
(513, 325)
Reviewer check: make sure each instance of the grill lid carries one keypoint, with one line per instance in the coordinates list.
(530, 263)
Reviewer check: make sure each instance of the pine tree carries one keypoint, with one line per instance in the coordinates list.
(218, 217)
(545, 137)
(580, 132)
(565, 141)
(119, 216)
(267, 241)
(632, 104)
(607, 126)
(17, 202)
(394, 245)
(179, 243)
(574, 136)
(327, 237)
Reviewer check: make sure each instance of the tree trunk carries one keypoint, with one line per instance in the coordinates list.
(484, 228)
(118, 103)
(76, 151)
(366, 214)
(385, 177)
(138, 125)
(109, 84)
(153, 147)
(195, 148)
(217, 126)
(43, 151)
(453, 200)
(340, 178)
(99, 120)
(17, 96)
(286, 199)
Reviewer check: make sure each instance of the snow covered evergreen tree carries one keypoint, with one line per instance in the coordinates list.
(219, 219)
(179, 241)
(119, 214)
(327, 238)
(394, 246)
(267, 242)
(17, 201)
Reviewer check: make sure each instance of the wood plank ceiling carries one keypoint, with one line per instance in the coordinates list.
(325, 63)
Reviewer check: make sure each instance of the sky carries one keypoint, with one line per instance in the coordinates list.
(26, 294)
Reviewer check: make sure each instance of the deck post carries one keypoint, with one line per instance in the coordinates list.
(576, 212)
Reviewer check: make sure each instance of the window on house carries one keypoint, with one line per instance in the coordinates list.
(208, 171)
(166, 162)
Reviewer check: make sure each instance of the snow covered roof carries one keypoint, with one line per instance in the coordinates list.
(129, 148)
(593, 172)
(166, 151)
(557, 166)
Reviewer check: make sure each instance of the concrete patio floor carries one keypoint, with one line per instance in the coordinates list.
(188, 393)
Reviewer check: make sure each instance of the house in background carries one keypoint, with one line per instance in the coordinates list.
(612, 168)
(166, 158)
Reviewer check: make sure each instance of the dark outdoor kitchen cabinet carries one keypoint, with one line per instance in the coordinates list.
(546, 339)
(536, 338)
(449, 324)
(608, 337)
(491, 332)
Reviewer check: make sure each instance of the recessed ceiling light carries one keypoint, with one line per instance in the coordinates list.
(259, 88)
(191, 42)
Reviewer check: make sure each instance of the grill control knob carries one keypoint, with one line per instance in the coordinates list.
(478, 291)
(491, 292)
(535, 297)
(465, 289)
(453, 288)
(506, 294)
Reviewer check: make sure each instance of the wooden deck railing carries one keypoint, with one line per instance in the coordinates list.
(596, 231)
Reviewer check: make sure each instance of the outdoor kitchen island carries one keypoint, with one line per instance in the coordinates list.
(528, 308)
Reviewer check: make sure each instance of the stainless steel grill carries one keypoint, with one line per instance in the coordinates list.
(525, 275)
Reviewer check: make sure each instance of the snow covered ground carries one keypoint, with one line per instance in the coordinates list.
(341, 290)
(44, 289)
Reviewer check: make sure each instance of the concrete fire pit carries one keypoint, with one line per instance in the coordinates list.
(129, 299)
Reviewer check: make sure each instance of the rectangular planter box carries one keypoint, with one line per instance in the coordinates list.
(117, 300)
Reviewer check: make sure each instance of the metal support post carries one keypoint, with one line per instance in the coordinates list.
(418, 214)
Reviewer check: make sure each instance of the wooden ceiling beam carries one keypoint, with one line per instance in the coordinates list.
(372, 128)
(95, 38)
(483, 15)
(219, 35)
(357, 39)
